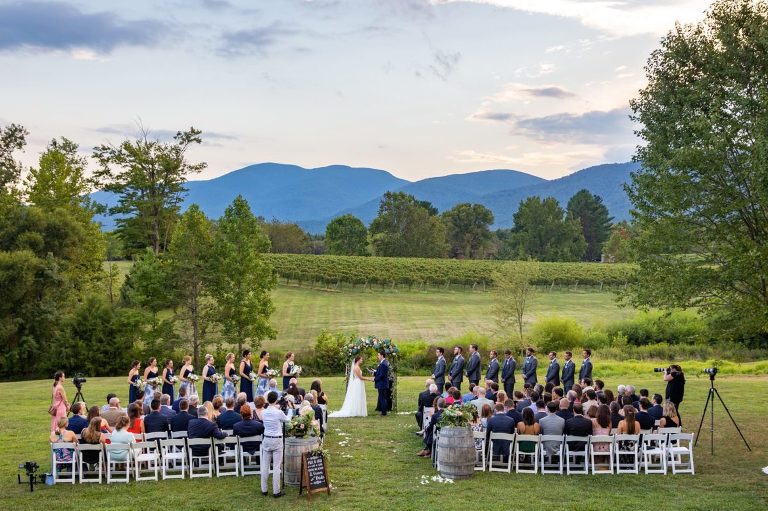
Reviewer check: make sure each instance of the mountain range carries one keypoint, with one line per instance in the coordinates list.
(313, 197)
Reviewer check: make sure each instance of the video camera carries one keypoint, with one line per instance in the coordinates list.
(661, 369)
(710, 370)
(30, 467)
(78, 380)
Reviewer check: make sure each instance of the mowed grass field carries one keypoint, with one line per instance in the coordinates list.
(378, 468)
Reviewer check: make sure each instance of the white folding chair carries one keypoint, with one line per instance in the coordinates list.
(680, 453)
(178, 434)
(227, 456)
(69, 466)
(120, 476)
(551, 452)
(203, 462)
(146, 460)
(427, 414)
(502, 466)
(92, 472)
(250, 463)
(173, 458)
(479, 437)
(79, 436)
(324, 408)
(656, 423)
(627, 454)
(667, 431)
(229, 432)
(533, 457)
(594, 441)
(138, 437)
(159, 435)
(654, 447)
(572, 454)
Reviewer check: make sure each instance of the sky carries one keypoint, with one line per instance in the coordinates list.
(420, 88)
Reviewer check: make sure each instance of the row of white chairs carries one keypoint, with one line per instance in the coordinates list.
(150, 458)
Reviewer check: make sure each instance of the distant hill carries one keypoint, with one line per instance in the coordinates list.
(313, 197)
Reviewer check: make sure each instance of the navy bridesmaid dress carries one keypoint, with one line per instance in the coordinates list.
(168, 389)
(209, 388)
(247, 385)
(149, 390)
(132, 389)
(287, 379)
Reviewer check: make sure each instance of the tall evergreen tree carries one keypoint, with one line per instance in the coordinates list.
(595, 221)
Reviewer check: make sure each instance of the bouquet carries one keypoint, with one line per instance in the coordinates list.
(458, 416)
(296, 371)
(253, 376)
(193, 377)
(174, 380)
(235, 379)
(215, 378)
(153, 382)
(303, 424)
(271, 373)
(139, 384)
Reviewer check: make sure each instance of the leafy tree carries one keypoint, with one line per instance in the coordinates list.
(404, 227)
(12, 138)
(468, 229)
(241, 279)
(287, 238)
(542, 232)
(617, 249)
(149, 176)
(701, 197)
(346, 235)
(595, 222)
(513, 293)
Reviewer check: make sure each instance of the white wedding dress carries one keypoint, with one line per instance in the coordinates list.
(355, 404)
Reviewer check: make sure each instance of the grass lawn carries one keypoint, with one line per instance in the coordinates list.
(379, 469)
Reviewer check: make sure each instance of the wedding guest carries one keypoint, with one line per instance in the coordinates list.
(628, 425)
(260, 403)
(491, 390)
(180, 421)
(228, 417)
(616, 415)
(585, 371)
(569, 369)
(165, 406)
(105, 407)
(599, 385)
(228, 389)
(214, 407)
(501, 397)
(295, 382)
(151, 372)
(521, 402)
(136, 425)
(578, 426)
(512, 413)
(272, 446)
(92, 435)
(429, 432)
(248, 427)
(95, 412)
(492, 373)
(262, 374)
(656, 411)
(670, 419)
(485, 414)
(643, 394)
(473, 365)
(114, 412)
(133, 375)
(564, 409)
(541, 410)
(210, 387)
(552, 424)
(194, 404)
(59, 404)
(287, 369)
(591, 412)
(272, 386)
(203, 427)
(322, 398)
(241, 401)
(438, 373)
(61, 434)
(424, 400)
(182, 395)
(139, 400)
(609, 397)
(156, 422)
(246, 381)
(508, 373)
(645, 420)
(78, 421)
(500, 423)
(469, 396)
(591, 399)
(456, 371)
(318, 412)
(534, 406)
(528, 426)
(481, 399)
(529, 366)
(629, 390)
(168, 378)
(121, 435)
(478, 425)
(601, 425)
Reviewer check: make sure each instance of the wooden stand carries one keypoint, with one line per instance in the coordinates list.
(314, 474)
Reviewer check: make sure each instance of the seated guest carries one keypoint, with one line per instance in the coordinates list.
(578, 426)
(310, 398)
(521, 401)
(449, 395)
(136, 425)
(541, 413)
(106, 406)
(228, 417)
(592, 412)
(156, 422)
(139, 400)
(492, 389)
(643, 394)
(616, 416)
(182, 395)
(645, 420)
(573, 397)
(295, 383)
(534, 398)
(248, 427)
(95, 412)
(165, 406)
(92, 435)
(180, 421)
(424, 400)
(601, 397)
(429, 432)
(121, 435)
(609, 396)
(500, 423)
(317, 386)
(114, 412)
(469, 396)
(656, 411)
(620, 392)
(557, 394)
(564, 411)
(218, 407)
(629, 390)
(480, 399)
(272, 387)
(240, 400)
(501, 397)
(552, 425)
(599, 385)
(478, 426)
(194, 404)
(260, 403)
(591, 399)
(203, 427)
(78, 421)
(601, 425)
(512, 413)
(628, 425)
(587, 383)
(486, 414)
(670, 419)
(528, 426)
(62, 434)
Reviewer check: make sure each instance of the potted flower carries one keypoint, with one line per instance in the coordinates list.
(456, 444)
(302, 435)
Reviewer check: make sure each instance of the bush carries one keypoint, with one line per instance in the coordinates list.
(557, 333)
(327, 353)
(684, 327)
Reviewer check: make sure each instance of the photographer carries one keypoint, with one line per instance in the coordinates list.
(272, 446)
(675, 385)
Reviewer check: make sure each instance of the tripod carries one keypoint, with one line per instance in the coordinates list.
(711, 397)
(79, 394)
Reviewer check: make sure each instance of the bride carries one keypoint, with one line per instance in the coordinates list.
(355, 404)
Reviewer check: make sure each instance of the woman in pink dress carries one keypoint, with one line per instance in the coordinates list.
(58, 399)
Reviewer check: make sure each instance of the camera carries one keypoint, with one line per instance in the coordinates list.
(710, 371)
(661, 369)
(30, 467)
(78, 380)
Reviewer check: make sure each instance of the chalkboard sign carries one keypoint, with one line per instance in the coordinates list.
(314, 474)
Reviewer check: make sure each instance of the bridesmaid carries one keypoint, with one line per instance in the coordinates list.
(133, 375)
(58, 400)
(263, 384)
(287, 369)
(167, 375)
(246, 368)
(210, 388)
(150, 372)
(229, 369)
(186, 370)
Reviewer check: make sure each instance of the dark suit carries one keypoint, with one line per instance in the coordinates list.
(167, 411)
(77, 424)
(192, 411)
(175, 404)
(473, 368)
(180, 422)
(578, 426)
(565, 414)
(585, 371)
(381, 382)
(203, 428)
(456, 372)
(529, 370)
(553, 373)
(492, 373)
(569, 368)
(228, 419)
(656, 411)
(156, 422)
(426, 400)
(645, 420)
(515, 416)
(246, 428)
(522, 405)
(439, 374)
(508, 376)
(429, 432)
(500, 423)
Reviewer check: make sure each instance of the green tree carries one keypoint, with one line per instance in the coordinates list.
(468, 229)
(404, 227)
(346, 235)
(60, 179)
(148, 176)
(513, 292)
(595, 221)
(701, 197)
(618, 247)
(543, 232)
(241, 279)
(287, 238)
(13, 138)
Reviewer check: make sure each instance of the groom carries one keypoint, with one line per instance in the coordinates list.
(381, 382)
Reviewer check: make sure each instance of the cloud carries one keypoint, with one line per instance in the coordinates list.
(164, 135)
(444, 63)
(253, 40)
(587, 127)
(619, 18)
(520, 91)
(58, 26)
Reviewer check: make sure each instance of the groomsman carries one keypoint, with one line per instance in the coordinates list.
(585, 371)
(529, 367)
(508, 373)
(553, 371)
(569, 368)
(492, 373)
(473, 365)
(439, 372)
(456, 372)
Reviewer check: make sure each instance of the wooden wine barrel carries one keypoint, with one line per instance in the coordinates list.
(294, 447)
(456, 453)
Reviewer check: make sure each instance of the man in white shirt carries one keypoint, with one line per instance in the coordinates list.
(272, 446)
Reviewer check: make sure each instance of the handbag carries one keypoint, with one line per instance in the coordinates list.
(52, 410)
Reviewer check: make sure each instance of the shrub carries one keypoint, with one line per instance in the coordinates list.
(557, 333)
(683, 327)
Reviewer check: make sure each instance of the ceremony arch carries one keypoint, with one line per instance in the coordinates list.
(369, 346)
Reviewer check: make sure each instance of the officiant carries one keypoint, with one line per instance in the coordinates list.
(382, 384)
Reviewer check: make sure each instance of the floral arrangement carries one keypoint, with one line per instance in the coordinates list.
(193, 377)
(303, 424)
(139, 384)
(353, 349)
(458, 416)
(319, 451)
(173, 380)
(215, 378)
(235, 379)
(296, 370)
(252, 375)
(271, 373)
(153, 382)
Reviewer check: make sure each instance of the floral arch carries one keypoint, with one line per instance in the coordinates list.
(372, 344)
